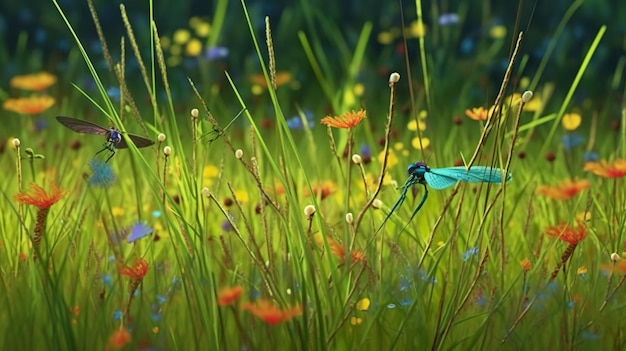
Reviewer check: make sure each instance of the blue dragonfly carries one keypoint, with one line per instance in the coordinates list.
(441, 178)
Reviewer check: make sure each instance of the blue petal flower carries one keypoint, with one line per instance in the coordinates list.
(156, 213)
(391, 306)
(117, 315)
(216, 53)
(107, 280)
(161, 299)
(103, 175)
(570, 141)
(591, 156)
(469, 253)
(448, 19)
(138, 231)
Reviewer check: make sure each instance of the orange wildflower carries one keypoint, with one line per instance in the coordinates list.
(38, 197)
(33, 82)
(347, 120)
(339, 250)
(29, 105)
(617, 169)
(226, 296)
(282, 78)
(118, 339)
(566, 190)
(324, 189)
(137, 270)
(270, 313)
(566, 233)
(479, 114)
(619, 267)
(526, 265)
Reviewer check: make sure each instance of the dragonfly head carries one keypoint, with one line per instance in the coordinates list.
(417, 169)
(114, 136)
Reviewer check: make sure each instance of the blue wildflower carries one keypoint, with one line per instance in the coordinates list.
(155, 317)
(161, 299)
(405, 302)
(156, 213)
(216, 53)
(117, 315)
(591, 156)
(448, 19)
(571, 304)
(481, 301)
(103, 175)
(469, 253)
(107, 280)
(295, 122)
(114, 93)
(391, 306)
(570, 141)
(138, 231)
(40, 124)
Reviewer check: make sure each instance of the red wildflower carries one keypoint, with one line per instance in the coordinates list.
(118, 339)
(270, 313)
(566, 190)
(568, 234)
(137, 270)
(617, 169)
(226, 296)
(38, 197)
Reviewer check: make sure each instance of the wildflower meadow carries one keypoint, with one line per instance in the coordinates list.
(313, 176)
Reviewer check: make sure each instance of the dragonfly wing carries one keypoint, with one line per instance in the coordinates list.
(476, 174)
(81, 126)
(439, 181)
(136, 139)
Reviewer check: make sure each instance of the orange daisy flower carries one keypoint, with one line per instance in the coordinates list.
(479, 114)
(566, 233)
(33, 82)
(38, 197)
(617, 169)
(226, 296)
(29, 105)
(137, 270)
(566, 190)
(270, 313)
(118, 339)
(346, 121)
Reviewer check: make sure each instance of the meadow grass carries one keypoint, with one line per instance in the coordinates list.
(290, 217)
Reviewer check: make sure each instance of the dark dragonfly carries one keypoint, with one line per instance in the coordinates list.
(114, 139)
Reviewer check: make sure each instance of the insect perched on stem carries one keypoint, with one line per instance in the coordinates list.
(441, 178)
(114, 139)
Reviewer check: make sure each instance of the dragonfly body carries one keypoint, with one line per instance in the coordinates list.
(113, 136)
(441, 178)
